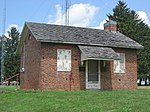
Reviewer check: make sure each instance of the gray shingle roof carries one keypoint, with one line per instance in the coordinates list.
(80, 36)
(103, 53)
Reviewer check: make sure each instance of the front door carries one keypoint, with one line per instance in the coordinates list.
(92, 74)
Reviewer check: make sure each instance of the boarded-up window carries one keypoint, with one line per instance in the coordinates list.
(119, 65)
(63, 60)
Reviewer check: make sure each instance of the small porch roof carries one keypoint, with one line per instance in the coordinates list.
(98, 53)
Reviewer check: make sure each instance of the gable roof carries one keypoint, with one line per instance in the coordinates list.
(80, 36)
(76, 35)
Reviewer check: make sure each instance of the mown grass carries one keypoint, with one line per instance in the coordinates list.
(74, 101)
(144, 87)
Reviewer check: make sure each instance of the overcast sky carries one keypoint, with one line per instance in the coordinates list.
(84, 13)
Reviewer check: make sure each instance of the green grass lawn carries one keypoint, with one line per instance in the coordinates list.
(144, 87)
(74, 101)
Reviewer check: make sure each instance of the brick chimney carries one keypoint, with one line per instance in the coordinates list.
(110, 26)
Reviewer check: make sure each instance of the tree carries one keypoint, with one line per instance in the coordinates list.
(11, 59)
(129, 24)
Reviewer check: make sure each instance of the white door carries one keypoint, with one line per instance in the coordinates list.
(92, 74)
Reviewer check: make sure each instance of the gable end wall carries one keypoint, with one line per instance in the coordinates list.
(29, 79)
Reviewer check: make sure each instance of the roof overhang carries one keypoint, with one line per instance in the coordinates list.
(98, 53)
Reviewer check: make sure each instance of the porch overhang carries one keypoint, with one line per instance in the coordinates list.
(98, 53)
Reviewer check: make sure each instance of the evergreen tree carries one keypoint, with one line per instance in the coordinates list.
(11, 59)
(129, 24)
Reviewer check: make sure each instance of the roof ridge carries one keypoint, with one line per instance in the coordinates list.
(68, 26)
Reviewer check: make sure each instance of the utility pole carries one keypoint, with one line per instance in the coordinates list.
(67, 3)
(2, 42)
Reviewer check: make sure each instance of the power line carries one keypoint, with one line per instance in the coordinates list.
(51, 2)
(37, 10)
(4, 18)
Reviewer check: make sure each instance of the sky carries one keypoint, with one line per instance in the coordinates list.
(82, 13)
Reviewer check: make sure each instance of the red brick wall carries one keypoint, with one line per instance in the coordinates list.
(82, 78)
(50, 78)
(105, 75)
(29, 79)
(111, 27)
(41, 69)
(128, 79)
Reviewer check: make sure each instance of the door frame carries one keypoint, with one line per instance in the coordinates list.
(99, 78)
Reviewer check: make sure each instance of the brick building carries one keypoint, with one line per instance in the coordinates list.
(57, 57)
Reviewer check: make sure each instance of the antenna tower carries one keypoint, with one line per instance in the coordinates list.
(2, 42)
(67, 3)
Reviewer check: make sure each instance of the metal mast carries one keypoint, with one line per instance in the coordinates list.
(2, 41)
(67, 3)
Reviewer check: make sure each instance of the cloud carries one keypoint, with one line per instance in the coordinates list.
(101, 25)
(143, 16)
(79, 15)
(82, 14)
(58, 14)
(13, 25)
